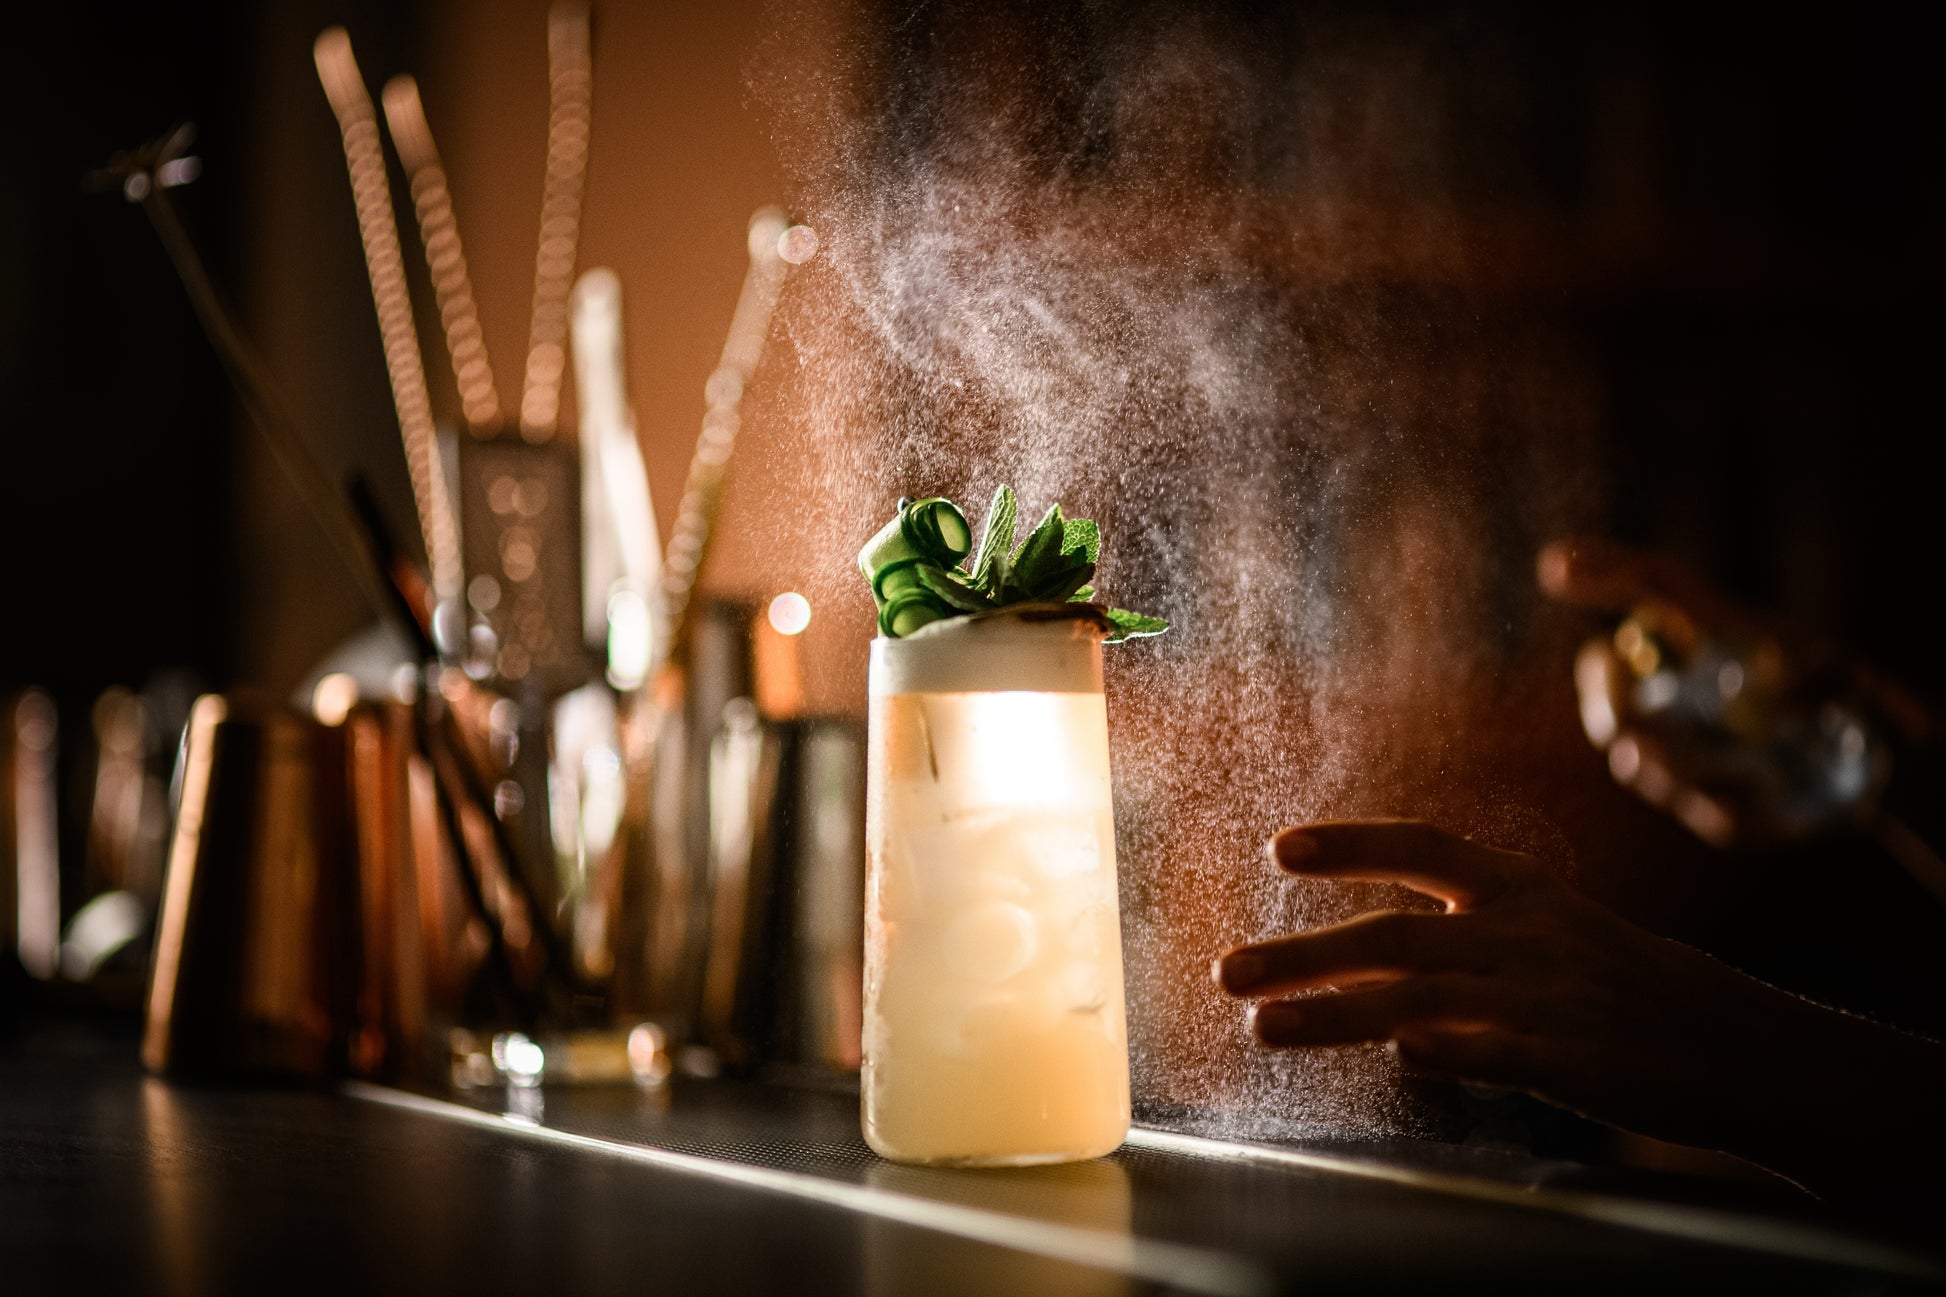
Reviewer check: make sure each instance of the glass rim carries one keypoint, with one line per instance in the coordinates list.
(991, 656)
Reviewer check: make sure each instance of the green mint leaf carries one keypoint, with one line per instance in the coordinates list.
(999, 575)
(1040, 554)
(1083, 595)
(1062, 582)
(1082, 537)
(953, 588)
(1132, 625)
(996, 539)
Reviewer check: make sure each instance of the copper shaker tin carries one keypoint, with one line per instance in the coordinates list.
(250, 973)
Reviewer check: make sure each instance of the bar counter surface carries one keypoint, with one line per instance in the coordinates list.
(111, 1181)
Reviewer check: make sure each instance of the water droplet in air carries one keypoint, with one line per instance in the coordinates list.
(798, 244)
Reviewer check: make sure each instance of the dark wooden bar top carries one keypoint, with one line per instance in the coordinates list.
(111, 1181)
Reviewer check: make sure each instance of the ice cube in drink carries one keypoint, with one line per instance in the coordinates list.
(994, 1023)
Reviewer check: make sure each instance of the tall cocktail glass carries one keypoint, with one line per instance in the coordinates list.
(995, 1032)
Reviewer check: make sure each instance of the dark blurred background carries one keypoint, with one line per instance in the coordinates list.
(117, 486)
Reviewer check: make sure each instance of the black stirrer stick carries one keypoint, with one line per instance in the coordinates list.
(145, 175)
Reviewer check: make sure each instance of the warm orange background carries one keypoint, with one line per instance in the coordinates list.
(678, 161)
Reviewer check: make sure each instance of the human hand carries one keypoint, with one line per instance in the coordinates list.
(1749, 732)
(1526, 983)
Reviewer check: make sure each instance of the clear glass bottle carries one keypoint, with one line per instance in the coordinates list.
(995, 1031)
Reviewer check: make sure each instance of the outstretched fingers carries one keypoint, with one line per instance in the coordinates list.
(1449, 1000)
(1427, 859)
(1379, 946)
(1449, 1024)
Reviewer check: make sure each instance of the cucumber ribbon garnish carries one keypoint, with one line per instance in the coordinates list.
(913, 565)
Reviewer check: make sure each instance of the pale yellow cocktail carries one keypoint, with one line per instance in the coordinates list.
(994, 1024)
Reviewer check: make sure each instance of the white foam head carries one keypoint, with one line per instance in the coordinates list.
(990, 655)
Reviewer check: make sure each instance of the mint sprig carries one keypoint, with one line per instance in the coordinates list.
(996, 541)
(1132, 625)
(913, 565)
(1081, 537)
